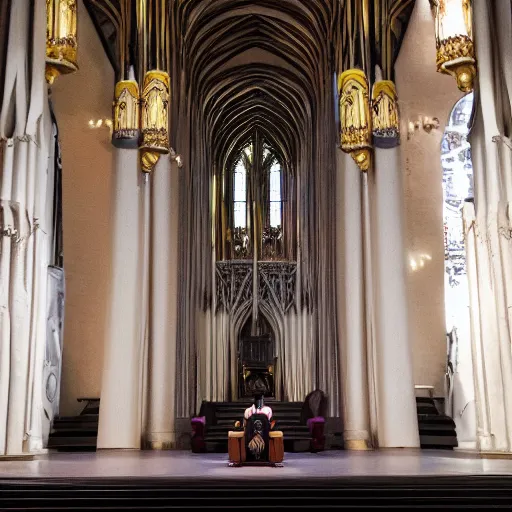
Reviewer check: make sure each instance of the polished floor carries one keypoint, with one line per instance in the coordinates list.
(184, 465)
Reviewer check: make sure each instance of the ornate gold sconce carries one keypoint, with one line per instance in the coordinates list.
(61, 39)
(154, 118)
(385, 115)
(126, 115)
(425, 123)
(355, 117)
(454, 40)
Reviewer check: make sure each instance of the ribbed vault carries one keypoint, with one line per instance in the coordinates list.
(276, 91)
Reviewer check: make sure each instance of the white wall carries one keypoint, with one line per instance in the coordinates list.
(424, 92)
(86, 183)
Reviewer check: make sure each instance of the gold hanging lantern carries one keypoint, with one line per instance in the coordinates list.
(385, 116)
(154, 118)
(61, 38)
(355, 117)
(126, 115)
(454, 41)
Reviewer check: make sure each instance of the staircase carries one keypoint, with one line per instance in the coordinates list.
(221, 417)
(436, 429)
(76, 433)
(79, 433)
(137, 493)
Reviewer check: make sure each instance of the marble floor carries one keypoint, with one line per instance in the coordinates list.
(184, 465)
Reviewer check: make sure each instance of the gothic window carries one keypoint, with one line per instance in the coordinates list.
(240, 196)
(272, 241)
(240, 238)
(457, 189)
(254, 207)
(275, 198)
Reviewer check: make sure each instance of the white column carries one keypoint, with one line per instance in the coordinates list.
(397, 418)
(350, 303)
(163, 305)
(7, 243)
(120, 405)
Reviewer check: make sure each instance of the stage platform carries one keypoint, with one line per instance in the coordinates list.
(133, 480)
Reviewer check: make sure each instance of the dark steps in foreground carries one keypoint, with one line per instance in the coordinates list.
(436, 429)
(76, 433)
(393, 492)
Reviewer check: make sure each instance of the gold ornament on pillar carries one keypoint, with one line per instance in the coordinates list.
(385, 116)
(454, 40)
(154, 118)
(126, 115)
(61, 40)
(355, 117)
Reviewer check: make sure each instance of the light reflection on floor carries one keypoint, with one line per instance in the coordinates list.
(184, 464)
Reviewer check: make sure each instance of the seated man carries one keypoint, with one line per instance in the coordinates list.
(257, 427)
(258, 442)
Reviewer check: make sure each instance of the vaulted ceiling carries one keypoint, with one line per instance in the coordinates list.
(246, 66)
(239, 67)
(255, 66)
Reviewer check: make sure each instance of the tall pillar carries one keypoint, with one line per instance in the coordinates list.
(396, 403)
(350, 303)
(121, 401)
(163, 301)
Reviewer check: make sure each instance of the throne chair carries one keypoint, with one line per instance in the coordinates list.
(257, 442)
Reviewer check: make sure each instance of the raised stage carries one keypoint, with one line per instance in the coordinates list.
(132, 480)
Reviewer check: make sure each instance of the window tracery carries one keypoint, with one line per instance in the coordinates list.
(254, 199)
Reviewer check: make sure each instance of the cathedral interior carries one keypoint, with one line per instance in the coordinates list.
(204, 201)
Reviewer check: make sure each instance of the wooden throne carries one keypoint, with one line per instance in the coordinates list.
(256, 367)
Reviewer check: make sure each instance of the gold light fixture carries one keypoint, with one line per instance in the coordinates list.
(126, 115)
(385, 117)
(61, 38)
(355, 117)
(425, 123)
(154, 118)
(454, 41)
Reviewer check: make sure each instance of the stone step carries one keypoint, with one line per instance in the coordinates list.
(287, 437)
(439, 419)
(72, 441)
(275, 414)
(436, 440)
(74, 432)
(437, 427)
(231, 423)
(73, 419)
(284, 428)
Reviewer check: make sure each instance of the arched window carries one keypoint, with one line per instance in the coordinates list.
(255, 207)
(272, 247)
(275, 197)
(240, 237)
(457, 189)
(240, 196)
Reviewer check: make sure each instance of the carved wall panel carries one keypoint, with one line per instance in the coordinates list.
(276, 285)
(234, 284)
